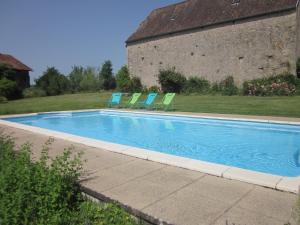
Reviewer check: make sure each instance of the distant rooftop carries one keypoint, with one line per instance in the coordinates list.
(13, 62)
(193, 14)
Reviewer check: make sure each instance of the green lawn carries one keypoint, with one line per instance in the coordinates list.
(273, 106)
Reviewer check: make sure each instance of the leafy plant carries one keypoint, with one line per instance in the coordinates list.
(33, 92)
(171, 81)
(298, 67)
(282, 84)
(106, 76)
(196, 85)
(46, 192)
(9, 89)
(123, 80)
(6, 72)
(227, 86)
(75, 77)
(53, 82)
(89, 81)
(136, 84)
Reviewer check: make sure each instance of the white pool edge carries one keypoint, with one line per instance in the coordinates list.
(289, 184)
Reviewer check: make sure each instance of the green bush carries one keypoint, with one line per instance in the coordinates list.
(154, 88)
(136, 84)
(106, 76)
(9, 89)
(53, 82)
(123, 80)
(3, 99)
(197, 85)
(89, 81)
(75, 78)
(298, 67)
(47, 191)
(282, 84)
(171, 81)
(33, 92)
(227, 86)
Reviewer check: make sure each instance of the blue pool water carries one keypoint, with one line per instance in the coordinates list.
(263, 147)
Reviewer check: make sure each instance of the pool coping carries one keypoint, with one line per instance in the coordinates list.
(282, 183)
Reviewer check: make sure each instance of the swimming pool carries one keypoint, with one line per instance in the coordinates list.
(263, 147)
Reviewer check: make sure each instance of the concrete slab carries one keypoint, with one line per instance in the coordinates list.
(268, 202)
(153, 187)
(187, 208)
(225, 190)
(116, 176)
(240, 216)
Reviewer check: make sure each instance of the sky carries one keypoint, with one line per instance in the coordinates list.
(64, 33)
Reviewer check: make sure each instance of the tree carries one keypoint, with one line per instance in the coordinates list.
(9, 89)
(76, 77)
(89, 80)
(6, 72)
(53, 82)
(123, 79)
(8, 86)
(106, 76)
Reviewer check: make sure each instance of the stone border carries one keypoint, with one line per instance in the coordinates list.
(289, 184)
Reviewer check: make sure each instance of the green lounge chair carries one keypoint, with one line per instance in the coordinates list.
(133, 100)
(146, 104)
(115, 100)
(166, 103)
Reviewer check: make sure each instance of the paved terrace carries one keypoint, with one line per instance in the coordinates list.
(171, 194)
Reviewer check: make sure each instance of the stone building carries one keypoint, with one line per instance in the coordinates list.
(213, 39)
(21, 75)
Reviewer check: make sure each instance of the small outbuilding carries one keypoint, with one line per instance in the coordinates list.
(21, 70)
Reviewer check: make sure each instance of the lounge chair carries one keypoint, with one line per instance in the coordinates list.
(115, 100)
(166, 103)
(133, 100)
(148, 101)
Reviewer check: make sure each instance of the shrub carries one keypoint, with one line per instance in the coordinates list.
(227, 86)
(171, 81)
(53, 82)
(123, 80)
(136, 84)
(196, 85)
(76, 77)
(154, 88)
(106, 76)
(47, 191)
(33, 92)
(298, 67)
(9, 89)
(3, 99)
(282, 84)
(89, 81)
(6, 71)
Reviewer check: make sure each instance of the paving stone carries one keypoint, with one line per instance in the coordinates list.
(115, 176)
(187, 208)
(238, 216)
(153, 187)
(221, 189)
(265, 201)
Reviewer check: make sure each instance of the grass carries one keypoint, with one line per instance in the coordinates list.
(244, 105)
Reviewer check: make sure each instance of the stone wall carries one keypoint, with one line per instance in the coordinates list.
(244, 49)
